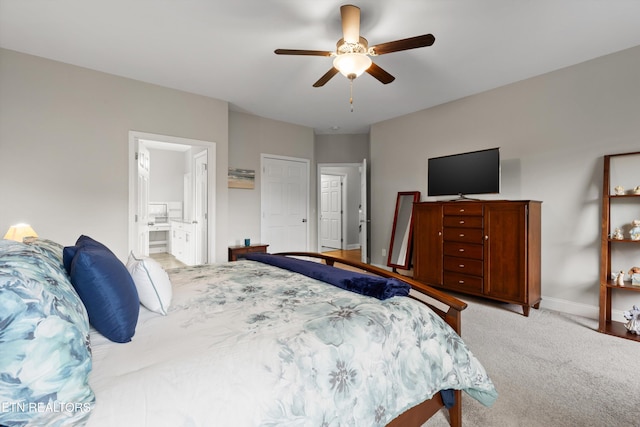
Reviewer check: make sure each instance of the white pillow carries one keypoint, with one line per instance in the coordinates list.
(152, 283)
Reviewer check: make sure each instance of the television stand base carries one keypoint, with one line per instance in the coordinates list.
(462, 198)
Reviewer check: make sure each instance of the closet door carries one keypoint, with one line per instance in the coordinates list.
(505, 254)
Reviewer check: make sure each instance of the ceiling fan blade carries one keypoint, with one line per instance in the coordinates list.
(404, 44)
(380, 74)
(302, 52)
(350, 23)
(327, 76)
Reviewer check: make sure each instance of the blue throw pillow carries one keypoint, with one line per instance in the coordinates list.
(69, 251)
(107, 291)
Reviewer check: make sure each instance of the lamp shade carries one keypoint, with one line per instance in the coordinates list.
(352, 65)
(19, 231)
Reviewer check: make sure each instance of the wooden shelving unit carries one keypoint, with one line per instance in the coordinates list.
(607, 286)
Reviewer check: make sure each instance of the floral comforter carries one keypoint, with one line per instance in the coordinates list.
(248, 344)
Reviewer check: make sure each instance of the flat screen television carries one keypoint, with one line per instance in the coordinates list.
(476, 172)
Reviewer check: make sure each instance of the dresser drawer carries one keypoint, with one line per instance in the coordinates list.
(463, 221)
(252, 249)
(466, 250)
(236, 252)
(462, 282)
(463, 209)
(469, 266)
(465, 235)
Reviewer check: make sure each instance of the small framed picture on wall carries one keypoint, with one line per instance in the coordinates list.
(242, 178)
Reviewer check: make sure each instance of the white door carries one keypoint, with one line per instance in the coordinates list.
(285, 200)
(200, 206)
(142, 214)
(364, 221)
(331, 211)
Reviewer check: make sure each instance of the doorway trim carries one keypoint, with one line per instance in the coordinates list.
(200, 210)
(134, 137)
(345, 205)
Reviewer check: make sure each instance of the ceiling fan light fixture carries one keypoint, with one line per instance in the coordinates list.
(351, 57)
(352, 65)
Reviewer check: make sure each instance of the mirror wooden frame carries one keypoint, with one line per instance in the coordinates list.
(399, 255)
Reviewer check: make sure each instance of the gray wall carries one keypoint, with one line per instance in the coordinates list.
(553, 131)
(249, 137)
(70, 126)
(64, 146)
(349, 148)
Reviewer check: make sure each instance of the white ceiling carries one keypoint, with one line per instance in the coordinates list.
(224, 48)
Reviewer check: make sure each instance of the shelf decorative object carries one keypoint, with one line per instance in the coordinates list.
(620, 279)
(619, 190)
(633, 320)
(635, 229)
(635, 276)
(636, 190)
(617, 234)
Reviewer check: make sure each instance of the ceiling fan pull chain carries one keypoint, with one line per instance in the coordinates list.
(351, 93)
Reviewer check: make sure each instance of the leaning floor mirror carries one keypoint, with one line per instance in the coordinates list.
(401, 233)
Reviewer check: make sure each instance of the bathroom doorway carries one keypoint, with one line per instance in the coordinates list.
(170, 211)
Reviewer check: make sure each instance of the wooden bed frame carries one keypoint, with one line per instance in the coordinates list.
(446, 306)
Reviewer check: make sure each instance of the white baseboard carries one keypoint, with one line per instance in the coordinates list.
(570, 307)
(578, 309)
(384, 267)
(353, 246)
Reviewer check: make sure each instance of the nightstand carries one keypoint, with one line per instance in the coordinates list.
(235, 251)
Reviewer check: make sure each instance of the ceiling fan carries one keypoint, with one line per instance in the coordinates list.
(352, 54)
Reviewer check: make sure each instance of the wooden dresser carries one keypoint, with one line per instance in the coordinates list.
(485, 248)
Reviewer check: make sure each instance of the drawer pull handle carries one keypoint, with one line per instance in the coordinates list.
(461, 265)
(461, 210)
(461, 282)
(461, 235)
(460, 250)
(461, 221)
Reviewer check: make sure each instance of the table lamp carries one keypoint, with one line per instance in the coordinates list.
(20, 232)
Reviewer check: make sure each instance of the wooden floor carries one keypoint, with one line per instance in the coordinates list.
(167, 260)
(352, 255)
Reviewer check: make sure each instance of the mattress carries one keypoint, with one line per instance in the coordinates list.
(250, 344)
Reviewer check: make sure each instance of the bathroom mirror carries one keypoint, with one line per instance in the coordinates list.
(400, 245)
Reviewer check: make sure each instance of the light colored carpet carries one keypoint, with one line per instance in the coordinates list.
(550, 369)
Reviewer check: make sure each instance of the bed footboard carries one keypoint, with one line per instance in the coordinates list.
(419, 414)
